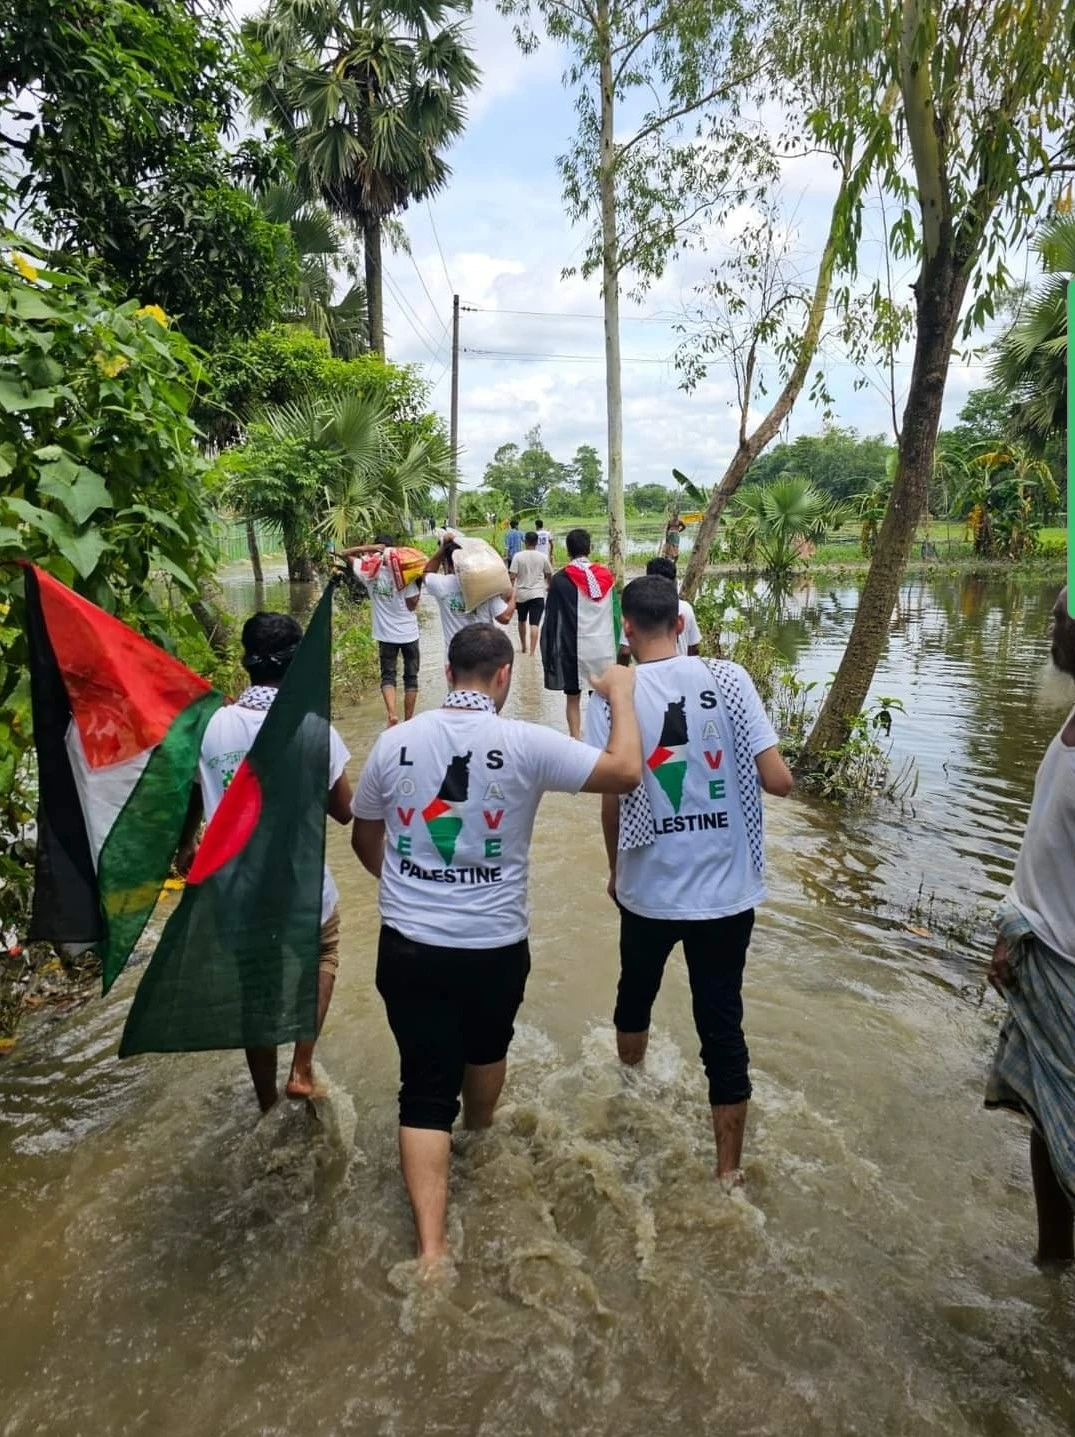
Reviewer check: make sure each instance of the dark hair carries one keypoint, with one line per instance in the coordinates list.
(515, 523)
(269, 644)
(578, 543)
(651, 604)
(539, 523)
(530, 538)
(450, 548)
(661, 569)
(478, 651)
(385, 539)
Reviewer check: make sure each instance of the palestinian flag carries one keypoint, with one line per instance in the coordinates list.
(118, 727)
(580, 637)
(236, 966)
(441, 817)
(668, 761)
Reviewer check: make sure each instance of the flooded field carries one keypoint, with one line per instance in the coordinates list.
(170, 1265)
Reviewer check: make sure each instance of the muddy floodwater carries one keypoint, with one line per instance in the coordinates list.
(168, 1265)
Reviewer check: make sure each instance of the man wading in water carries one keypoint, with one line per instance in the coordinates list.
(685, 850)
(444, 812)
(269, 644)
(1033, 968)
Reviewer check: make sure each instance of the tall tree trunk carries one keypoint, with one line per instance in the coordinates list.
(610, 289)
(254, 551)
(939, 297)
(371, 244)
(213, 619)
(300, 567)
(751, 445)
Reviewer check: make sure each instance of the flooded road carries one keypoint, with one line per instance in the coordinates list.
(171, 1266)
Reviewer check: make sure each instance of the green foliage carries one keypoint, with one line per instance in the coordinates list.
(123, 160)
(773, 525)
(648, 498)
(1005, 495)
(532, 481)
(1031, 365)
(838, 462)
(102, 485)
(328, 469)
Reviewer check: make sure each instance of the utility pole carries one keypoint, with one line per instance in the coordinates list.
(453, 487)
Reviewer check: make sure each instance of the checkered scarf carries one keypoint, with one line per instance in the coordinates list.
(592, 586)
(257, 696)
(636, 814)
(469, 699)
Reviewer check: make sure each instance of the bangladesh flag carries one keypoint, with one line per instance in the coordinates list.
(668, 761)
(118, 726)
(236, 966)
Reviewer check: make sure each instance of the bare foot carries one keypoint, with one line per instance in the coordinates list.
(302, 1085)
(731, 1180)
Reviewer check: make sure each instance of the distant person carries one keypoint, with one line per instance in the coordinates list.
(513, 541)
(448, 592)
(675, 528)
(580, 636)
(395, 629)
(545, 540)
(689, 638)
(269, 644)
(531, 574)
(443, 818)
(686, 849)
(1033, 968)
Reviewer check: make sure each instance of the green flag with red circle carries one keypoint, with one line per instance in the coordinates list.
(236, 965)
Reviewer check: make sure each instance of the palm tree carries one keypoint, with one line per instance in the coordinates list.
(322, 248)
(1031, 362)
(1004, 496)
(773, 524)
(368, 96)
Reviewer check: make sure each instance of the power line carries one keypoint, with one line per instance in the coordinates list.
(412, 318)
(575, 358)
(556, 314)
(436, 236)
(432, 301)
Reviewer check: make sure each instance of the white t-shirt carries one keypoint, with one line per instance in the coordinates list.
(229, 736)
(530, 569)
(1043, 888)
(457, 790)
(393, 622)
(698, 865)
(692, 635)
(448, 592)
(544, 543)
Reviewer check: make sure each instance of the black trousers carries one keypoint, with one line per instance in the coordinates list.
(447, 1007)
(716, 951)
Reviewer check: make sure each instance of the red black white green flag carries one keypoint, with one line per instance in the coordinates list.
(118, 725)
(236, 966)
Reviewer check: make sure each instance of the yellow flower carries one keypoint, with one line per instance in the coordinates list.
(24, 267)
(155, 312)
(112, 365)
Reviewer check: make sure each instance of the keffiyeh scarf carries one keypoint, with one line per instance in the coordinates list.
(592, 586)
(257, 696)
(469, 699)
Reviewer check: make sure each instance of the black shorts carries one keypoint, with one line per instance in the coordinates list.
(530, 611)
(389, 657)
(447, 1008)
(716, 951)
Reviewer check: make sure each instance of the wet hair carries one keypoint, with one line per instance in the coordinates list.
(269, 644)
(661, 569)
(530, 538)
(651, 604)
(478, 651)
(515, 523)
(578, 543)
(385, 539)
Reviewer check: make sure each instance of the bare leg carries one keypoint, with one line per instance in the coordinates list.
(574, 715)
(522, 637)
(632, 1046)
(300, 1082)
(262, 1065)
(410, 698)
(1056, 1223)
(388, 693)
(535, 630)
(729, 1125)
(482, 1085)
(423, 1155)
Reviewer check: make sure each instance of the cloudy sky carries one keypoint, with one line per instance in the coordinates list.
(532, 342)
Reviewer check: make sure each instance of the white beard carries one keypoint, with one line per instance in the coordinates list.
(1056, 689)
